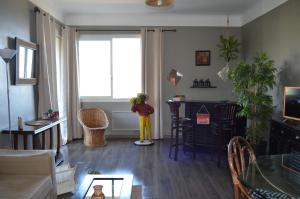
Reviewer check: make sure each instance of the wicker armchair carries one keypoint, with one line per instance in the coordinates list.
(94, 122)
(240, 154)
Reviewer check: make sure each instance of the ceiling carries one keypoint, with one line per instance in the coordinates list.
(216, 7)
(135, 12)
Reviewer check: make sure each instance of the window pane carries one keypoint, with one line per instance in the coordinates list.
(127, 68)
(22, 62)
(29, 64)
(95, 68)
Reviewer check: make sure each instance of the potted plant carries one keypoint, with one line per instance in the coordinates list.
(229, 49)
(250, 84)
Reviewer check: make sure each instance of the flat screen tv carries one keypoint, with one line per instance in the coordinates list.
(291, 103)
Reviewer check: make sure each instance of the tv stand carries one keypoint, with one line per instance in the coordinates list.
(284, 120)
(291, 123)
(284, 136)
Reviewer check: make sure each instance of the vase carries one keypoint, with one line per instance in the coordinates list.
(223, 73)
(98, 194)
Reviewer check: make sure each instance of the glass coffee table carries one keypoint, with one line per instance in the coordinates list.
(114, 186)
(277, 173)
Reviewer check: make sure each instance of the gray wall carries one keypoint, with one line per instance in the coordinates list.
(179, 53)
(278, 34)
(16, 20)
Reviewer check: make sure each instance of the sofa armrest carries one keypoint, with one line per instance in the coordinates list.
(28, 162)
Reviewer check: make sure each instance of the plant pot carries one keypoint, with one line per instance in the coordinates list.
(260, 148)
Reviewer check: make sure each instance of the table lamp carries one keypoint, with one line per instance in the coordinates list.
(7, 54)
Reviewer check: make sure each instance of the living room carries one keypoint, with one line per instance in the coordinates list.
(83, 81)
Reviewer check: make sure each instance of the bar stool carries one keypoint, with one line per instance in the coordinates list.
(180, 126)
(223, 126)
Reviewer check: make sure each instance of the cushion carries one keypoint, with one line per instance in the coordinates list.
(265, 194)
(25, 186)
(65, 179)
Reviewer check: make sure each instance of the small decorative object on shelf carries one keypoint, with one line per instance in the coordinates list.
(98, 194)
(45, 116)
(179, 98)
(207, 83)
(202, 84)
(20, 123)
(53, 114)
(195, 83)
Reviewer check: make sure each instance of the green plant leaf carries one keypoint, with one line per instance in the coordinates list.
(250, 85)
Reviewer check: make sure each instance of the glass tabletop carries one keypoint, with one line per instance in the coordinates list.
(113, 186)
(277, 173)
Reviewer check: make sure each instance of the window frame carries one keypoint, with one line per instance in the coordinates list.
(110, 37)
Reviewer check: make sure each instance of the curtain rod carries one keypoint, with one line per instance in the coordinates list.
(97, 30)
(37, 9)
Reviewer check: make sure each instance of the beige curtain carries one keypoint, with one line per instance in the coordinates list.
(47, 84)
(152, 42)
(70, 60)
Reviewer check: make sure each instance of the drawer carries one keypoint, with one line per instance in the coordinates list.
(280, 131)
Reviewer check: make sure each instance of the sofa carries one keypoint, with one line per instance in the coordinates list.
(27, 174)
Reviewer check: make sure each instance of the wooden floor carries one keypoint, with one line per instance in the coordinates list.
(161, 177)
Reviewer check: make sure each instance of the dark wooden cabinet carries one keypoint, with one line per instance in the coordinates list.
(284, 137)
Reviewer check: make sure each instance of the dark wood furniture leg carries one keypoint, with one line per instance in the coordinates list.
(25, 141)
(176, 141)
(16, 141)
(43, 140)
(194, 142)
(34, 141)
(51, 138)
(58, 140)
(171, 141)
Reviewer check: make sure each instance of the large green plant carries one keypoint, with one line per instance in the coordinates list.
(250, 84)
(229, 48)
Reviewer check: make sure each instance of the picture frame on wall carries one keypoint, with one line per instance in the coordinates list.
(202, 58)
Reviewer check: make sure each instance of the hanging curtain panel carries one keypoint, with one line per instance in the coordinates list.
(70, 60)
(152, 42)
(47, 85)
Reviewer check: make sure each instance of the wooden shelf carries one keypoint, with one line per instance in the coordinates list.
(203, 87)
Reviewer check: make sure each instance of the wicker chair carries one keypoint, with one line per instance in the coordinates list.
(240, 154)
(94, 122)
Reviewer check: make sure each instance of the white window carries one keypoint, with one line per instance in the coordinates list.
(110, 66)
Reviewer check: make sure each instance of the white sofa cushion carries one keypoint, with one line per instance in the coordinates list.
(25, 186)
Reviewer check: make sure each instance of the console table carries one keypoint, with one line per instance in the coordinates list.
(35, 131)
(203, 134)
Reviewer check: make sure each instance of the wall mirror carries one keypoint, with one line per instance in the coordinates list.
(26, 60)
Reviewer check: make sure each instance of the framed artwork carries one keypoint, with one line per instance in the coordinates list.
(202, 57)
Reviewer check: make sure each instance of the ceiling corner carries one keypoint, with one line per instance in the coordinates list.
(48, 6)
(259, 9)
